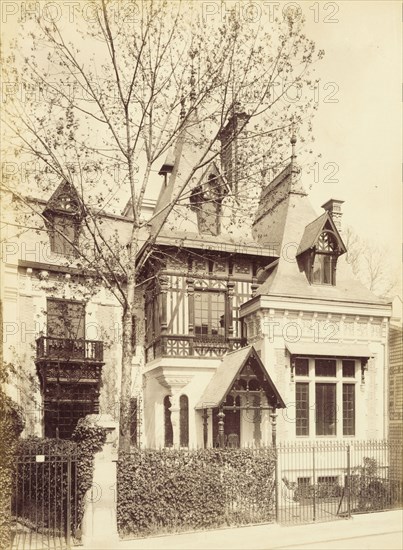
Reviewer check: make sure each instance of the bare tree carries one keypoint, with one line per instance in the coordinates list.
(370, 263)
(117, 91)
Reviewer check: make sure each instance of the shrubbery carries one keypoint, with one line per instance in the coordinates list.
(11, 425)
(176, 490)
(40, 496)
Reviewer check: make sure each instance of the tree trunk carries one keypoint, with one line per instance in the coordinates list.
(127, 352)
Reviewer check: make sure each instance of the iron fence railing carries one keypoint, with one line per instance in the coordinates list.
(332, 479)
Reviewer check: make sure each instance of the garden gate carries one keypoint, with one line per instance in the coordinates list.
(44, 511)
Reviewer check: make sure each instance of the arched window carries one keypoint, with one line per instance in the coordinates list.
(184, 421)
(168, 431)
(325, 258)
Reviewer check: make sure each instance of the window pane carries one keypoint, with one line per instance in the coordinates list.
(322, 271)
(64, 225)
(349, 368)
(302, 408)
(348, 409)
(327, 270)
(317, 268)
(65, 319)
(184, 421)
(325, 409)
(301, 367)
(209, 313)
(325, 367)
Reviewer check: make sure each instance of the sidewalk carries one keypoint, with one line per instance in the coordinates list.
(382, 530)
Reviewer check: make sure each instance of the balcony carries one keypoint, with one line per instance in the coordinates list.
(49, 348)
(191, 345)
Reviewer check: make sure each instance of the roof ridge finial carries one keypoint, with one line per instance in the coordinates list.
(293, 139)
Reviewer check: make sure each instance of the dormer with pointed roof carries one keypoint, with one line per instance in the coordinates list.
(64, 213)
(319, 249)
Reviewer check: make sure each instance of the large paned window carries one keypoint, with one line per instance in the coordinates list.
(209, 313)
(65, 319)
(325, 397)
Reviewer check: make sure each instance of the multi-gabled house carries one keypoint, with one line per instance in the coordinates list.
(277, 283)
(240, 319)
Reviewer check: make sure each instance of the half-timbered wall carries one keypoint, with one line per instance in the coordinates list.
(198, 297)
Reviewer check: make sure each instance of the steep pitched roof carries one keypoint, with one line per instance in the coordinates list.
(287, 220)
(314, 229)
(64, 199)
(223, 379)
(283, 211)
(182, 218)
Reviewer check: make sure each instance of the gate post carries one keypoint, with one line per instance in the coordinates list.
(68, 512)
(99, 525)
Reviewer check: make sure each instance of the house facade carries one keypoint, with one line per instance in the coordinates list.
(246, 326)
(61, 324)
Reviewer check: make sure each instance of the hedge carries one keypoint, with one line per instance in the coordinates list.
(172, 490)
(11, 425)
(40, 496)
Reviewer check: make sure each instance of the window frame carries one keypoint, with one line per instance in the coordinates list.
(341, 414)
(199, 320)
(63, 315)
(324, 257)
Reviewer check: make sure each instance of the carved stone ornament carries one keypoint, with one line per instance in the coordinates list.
(173, 382)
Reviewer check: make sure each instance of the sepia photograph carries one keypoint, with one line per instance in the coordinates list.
(201, 275)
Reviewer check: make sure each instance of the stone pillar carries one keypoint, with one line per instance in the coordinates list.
(99, 527)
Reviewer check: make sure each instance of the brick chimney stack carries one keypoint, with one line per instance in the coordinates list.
(229, 149)
(333, 206)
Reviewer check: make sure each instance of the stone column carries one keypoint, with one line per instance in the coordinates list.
(175, 410)
(99, 527)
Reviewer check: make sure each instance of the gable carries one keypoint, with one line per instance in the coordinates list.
(65, 200)
(313, 231)
(228, 372)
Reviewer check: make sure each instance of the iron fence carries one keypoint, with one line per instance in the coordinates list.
(333, 479)
(44, 507)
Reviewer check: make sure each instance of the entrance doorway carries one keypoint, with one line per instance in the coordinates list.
(232, 423)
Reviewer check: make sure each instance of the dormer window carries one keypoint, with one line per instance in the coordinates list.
(324, 259)
(63, 213)
(320, 246)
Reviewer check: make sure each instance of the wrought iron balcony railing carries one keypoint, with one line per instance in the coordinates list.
(49, 347)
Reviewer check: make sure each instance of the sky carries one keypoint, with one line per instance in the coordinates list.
(357, 126)
(361, 132)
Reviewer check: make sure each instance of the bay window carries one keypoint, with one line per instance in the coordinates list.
(209, 313)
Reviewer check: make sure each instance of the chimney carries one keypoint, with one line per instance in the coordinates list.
(333, 206)
(229, 149)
